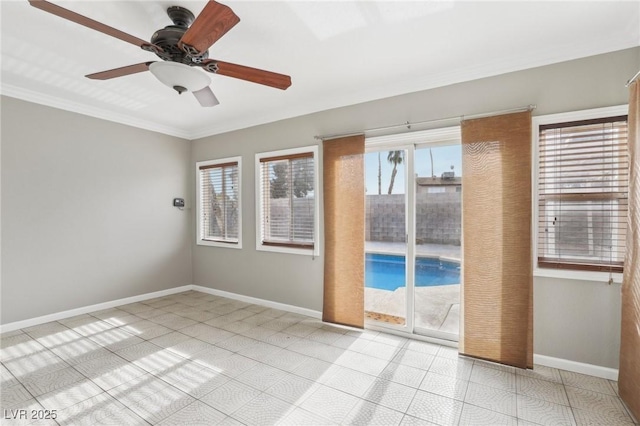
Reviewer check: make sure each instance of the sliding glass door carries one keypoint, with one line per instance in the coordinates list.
(386, 274)
(438, 215)
(413, 233)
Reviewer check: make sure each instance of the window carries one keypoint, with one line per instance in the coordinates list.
(218, 202)
(582, 194)
(288, 207)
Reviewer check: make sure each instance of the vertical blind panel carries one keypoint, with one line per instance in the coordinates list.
(344, 205)
(583, 188)
(497, 291)
(629, 377)
(288, 199)
(219, 203)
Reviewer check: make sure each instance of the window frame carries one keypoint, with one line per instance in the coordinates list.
(284, 248)
(537, 121)
(213, 243)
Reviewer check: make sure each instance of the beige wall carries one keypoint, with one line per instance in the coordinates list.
(577, 320)
(574, 320)
(87, 212)
(285, 278)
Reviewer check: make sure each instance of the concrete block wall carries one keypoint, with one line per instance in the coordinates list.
(302, 218)
(438, 218)
(385, 218)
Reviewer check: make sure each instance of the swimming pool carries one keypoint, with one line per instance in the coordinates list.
(387, 272)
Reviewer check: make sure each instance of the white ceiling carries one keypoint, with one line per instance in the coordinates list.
(337, 53)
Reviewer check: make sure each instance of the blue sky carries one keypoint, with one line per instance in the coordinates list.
(443, 158)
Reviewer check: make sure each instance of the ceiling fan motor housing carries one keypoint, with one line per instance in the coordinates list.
(168, 38)
(180, 16)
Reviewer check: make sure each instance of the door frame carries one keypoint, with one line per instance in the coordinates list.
(409, 210)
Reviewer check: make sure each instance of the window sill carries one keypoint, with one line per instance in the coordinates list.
(594, 276)
(288, 250)
(237, 245)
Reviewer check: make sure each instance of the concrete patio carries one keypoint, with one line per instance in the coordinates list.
(436, 307)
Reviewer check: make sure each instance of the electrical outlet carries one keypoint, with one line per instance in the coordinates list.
(178, 202)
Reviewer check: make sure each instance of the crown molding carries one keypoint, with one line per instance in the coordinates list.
(84, 109)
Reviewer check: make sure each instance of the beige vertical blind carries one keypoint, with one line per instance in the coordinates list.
(288, 200)
(344, 192)
(219, 202)
(629, 373)
(582, 193)
(496, 200)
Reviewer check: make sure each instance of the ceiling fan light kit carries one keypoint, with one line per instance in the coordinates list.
(180, 77)
(183, 47)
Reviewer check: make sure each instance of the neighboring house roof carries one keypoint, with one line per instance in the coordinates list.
(437, 181)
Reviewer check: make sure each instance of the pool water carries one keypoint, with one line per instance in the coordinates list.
(387, 272)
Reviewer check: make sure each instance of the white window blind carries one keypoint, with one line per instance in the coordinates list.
(288, 200)
(219, 202)
(582, 194)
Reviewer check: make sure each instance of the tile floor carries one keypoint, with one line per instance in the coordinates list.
(193, 358)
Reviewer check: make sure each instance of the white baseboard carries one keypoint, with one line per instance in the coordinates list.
(576, 367)
(114, 303)
(91, 308)
(547, 361)
(261, 302)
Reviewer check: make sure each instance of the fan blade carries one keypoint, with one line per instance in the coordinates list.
(87, 22)
(255, 75)
(206, 97)
(120, 72)
(213, 22)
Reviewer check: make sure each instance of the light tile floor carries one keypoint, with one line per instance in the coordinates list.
(193, 358)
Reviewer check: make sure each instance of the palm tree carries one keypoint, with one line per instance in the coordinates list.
(395, 158)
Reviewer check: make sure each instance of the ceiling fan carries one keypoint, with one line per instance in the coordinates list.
(183, 48)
